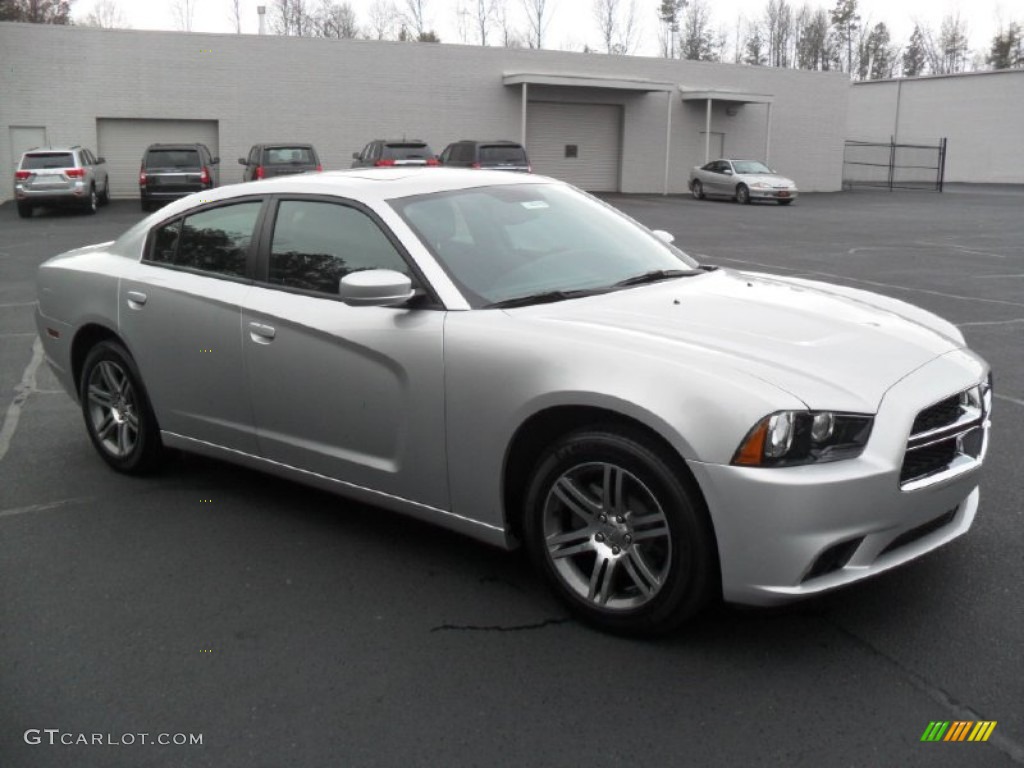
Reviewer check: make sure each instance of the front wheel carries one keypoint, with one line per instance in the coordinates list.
(117, 412)
(743, 194)
(105, 194)
(698, 190)
(25, 210)
(618, 534)
(785, 202)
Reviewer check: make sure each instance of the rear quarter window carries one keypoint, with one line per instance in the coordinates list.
(39, 160)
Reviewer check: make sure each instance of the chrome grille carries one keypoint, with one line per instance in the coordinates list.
(948, 438)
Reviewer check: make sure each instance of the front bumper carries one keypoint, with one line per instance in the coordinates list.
(799, 531)
(773, 194)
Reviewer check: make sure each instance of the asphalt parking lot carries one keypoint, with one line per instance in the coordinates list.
(288, 627)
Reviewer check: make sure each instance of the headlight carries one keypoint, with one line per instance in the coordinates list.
(790, 438)
(761, 185)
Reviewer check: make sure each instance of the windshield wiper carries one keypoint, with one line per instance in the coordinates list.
(655, 276)
(542, 298)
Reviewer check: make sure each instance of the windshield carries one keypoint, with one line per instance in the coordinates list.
(750, 166)
(502, 155)
(48, 160)
(172, 158)
(504, 242)
(407, 151)
(289, 156)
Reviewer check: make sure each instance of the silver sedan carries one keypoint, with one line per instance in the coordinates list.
(516, 360)
(741, 180)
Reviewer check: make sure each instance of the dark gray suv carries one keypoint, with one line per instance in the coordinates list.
(265, 161)
(170, 171)
(496, 155)
(384, 153)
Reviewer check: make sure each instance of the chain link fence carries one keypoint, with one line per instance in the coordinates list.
(894, 166)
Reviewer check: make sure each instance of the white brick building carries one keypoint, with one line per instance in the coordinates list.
(980, 113)
(637, 124)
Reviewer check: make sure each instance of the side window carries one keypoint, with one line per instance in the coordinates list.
(215, 240)
(316, 244)
(254, 156)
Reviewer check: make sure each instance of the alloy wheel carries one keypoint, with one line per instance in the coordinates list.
(113, 409)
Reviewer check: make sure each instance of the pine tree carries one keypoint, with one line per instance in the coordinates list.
(915, 57)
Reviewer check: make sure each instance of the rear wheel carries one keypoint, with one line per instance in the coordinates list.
(146, 205)
(117, 412)
(743, 194)
(621, 538)
(105, 194)
(698, 190)
(25, 210)
(92, 203)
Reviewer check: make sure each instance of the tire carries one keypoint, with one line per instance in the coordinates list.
(92, 203)
(698, 190)
(25, 210)
(629, 573)
(743, 194)
(105, 194)
(118, 416)
(146, 205)
(785, 202)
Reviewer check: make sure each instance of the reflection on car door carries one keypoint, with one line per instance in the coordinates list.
(180, 316)
(351, 393)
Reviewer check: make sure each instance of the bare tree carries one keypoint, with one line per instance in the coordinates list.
(697, 40)
(292, 17)
(778, 26)
(235, 14)
(511, 36)
(537, 20)
(416, 17)
(482, 13)
(383, 18)
(464, 22)
(182, 12)
(668, 15)
(106, 14)
(337, 20)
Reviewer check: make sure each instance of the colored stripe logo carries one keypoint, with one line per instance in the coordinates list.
(958, 730)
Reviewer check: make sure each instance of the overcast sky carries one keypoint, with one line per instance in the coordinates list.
(572, 22)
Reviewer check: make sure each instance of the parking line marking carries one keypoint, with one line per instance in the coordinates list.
(1008, 399)
(14, 335)
(18, 304)
(22, 392)
(874, 282)
(991, 322)
(39, 507)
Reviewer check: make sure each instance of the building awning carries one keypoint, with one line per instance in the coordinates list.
(588, 81)
(722, 94)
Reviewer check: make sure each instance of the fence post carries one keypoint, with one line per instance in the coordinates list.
(942, 163)
(892, 161)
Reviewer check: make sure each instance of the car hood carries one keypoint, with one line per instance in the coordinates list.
(829, 346)
(766, 178)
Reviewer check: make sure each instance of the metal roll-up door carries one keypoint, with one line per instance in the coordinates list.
(123, 141)
(578, 143)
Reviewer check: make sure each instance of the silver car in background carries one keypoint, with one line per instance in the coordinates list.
(511, 358)
(741, 180)
(60, 177)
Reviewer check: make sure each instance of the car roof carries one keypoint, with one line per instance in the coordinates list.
(72, 148)
(402, 141)
(376, 184)
(176, 146)
(288, 144)
(496, 142)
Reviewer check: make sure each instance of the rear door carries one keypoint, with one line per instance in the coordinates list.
(174, 170)
(180, 313)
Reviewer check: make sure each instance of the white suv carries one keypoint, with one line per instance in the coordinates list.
(59, 177)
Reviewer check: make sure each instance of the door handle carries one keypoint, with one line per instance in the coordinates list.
(261, 334)
(136, 299)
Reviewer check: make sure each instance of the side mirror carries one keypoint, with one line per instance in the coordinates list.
(665, 237)
(100, 160)
(215, 161)
(242, 161)
(355, 155)
(375, 288)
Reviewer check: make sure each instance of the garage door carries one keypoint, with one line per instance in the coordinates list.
(123, 142)
(578, 143)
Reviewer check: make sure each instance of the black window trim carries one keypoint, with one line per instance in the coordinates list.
(250, 257)
(261, 273)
